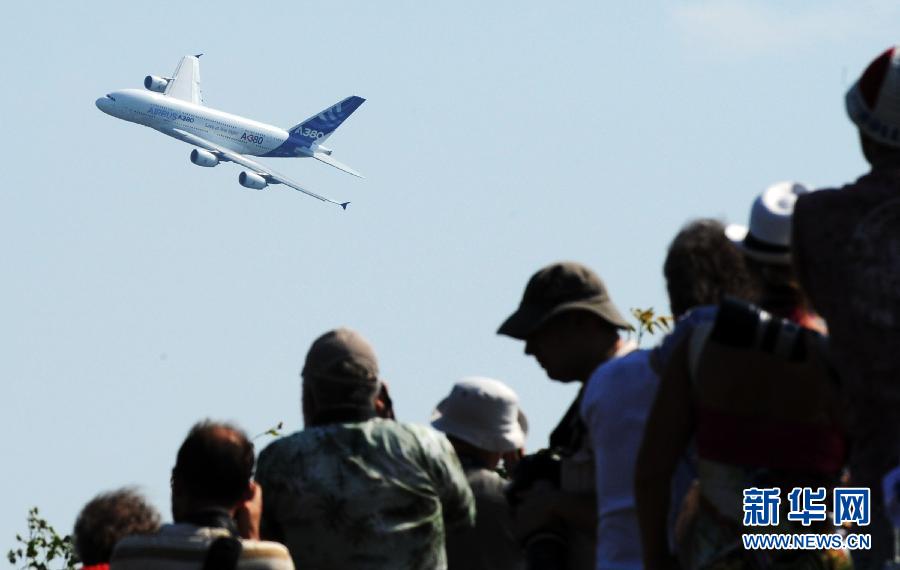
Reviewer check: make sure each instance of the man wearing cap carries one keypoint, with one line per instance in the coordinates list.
(352, 490)
(571, 326)
(482, 420)
(847, 254)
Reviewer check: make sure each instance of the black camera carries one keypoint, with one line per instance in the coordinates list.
(744, 325)
(546, 548)
(545, 465)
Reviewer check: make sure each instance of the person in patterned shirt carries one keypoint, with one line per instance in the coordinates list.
(352, 490)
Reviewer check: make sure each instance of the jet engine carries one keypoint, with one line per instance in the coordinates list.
(252, 180)
(154, 83)
(204, 158)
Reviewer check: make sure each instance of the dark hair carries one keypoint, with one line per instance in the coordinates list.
(703, 266)
(780, 291)
(109, 517)
(215, 463)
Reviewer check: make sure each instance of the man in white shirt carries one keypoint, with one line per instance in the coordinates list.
(701, 267)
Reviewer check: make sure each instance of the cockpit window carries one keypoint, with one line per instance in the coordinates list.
(108, 96)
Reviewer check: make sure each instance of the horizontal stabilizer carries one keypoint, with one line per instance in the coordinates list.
(339, 165)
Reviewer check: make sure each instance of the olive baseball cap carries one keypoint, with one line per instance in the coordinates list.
(557, 288)
(342, 354)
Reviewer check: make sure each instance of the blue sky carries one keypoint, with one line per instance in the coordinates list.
(142, 293)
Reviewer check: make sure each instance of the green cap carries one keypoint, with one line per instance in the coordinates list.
(341, 370)
(560, 287)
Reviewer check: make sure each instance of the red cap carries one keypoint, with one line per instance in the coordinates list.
(873, 102)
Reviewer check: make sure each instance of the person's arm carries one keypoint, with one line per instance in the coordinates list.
(249, 512)
(666, 436)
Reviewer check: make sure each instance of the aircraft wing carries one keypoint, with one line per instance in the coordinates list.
(185, 84)
(225, 154)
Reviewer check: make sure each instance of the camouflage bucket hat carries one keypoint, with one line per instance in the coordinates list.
(560, 287)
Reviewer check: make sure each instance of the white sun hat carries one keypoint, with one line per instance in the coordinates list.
(768, 239)
(482, 412)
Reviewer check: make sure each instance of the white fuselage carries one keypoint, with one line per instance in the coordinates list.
(164, 113)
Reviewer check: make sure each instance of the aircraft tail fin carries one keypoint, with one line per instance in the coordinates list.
(319, 127)
(185, 84)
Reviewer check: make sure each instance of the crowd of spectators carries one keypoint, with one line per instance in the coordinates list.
(782, 372)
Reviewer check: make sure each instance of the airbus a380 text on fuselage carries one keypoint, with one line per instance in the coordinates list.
(174, 106)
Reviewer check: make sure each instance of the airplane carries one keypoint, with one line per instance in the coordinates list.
(174, 107)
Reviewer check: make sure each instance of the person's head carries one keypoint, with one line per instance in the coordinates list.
(340, 374)
(567, 320)
(213, 469)
(481, 417)
(872, 104)
(703, 266)
(106, 519)
(766, 244)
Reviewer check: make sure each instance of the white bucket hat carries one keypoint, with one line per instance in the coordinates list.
(873, 102)
(768, 239)
(483, 412)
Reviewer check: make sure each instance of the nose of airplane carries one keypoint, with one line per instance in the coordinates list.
(103, 104)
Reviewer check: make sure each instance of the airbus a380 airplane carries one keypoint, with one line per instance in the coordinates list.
(174, 106)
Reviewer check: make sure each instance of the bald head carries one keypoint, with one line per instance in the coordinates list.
(214, 465)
